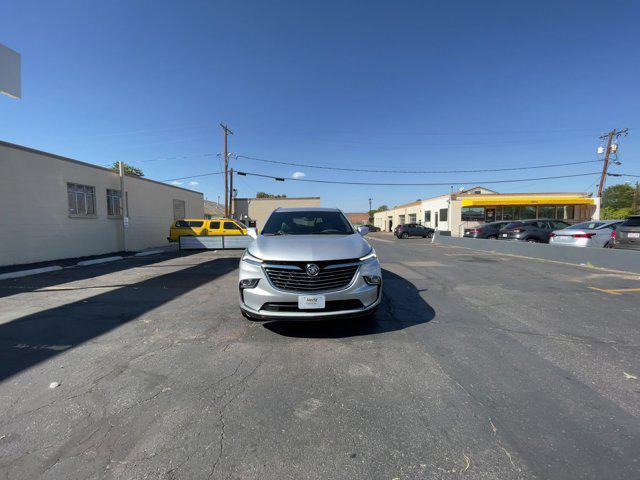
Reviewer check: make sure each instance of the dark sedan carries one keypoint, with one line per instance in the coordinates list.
(486, 230)
(372, 228)
(413, 230)
(628, 234)
(533, 231)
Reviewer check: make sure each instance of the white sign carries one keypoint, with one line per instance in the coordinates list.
(310, 302)
(10, 83)
(125, 221)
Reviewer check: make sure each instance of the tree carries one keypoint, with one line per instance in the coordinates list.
(128, 169)
(609, 213)
(381, 208)
(270, 195)
(616, 197)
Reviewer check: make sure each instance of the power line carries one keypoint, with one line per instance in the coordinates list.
(368, 170)
(192, 176)
(476, 182)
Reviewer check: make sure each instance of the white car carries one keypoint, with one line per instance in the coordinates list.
(309, 263)
(594, 233)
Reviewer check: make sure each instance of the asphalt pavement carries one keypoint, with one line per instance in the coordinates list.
(477, 366)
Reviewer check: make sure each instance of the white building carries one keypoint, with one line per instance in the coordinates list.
(468, 208)
(55, 207)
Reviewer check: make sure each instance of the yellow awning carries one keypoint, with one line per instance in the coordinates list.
(492, 200)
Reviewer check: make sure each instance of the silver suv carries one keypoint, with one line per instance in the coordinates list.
(309, 263)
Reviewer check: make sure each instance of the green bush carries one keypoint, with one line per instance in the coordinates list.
(609, 213)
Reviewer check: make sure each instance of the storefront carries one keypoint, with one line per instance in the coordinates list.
(493, 208)
(468, 208)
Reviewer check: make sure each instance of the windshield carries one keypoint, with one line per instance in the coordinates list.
(513, 225)
(586, 226)
(307, 223)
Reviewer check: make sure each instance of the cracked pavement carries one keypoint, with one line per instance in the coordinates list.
(476, 366)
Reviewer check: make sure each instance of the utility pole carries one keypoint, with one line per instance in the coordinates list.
(370, 216)
(226, 132)
(125, 220)
(609, 136)
(634, 205)
(231, 193)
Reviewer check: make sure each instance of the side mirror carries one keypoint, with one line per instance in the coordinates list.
(252, 232)
(362, 230)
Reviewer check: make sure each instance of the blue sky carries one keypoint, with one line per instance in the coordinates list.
(406, 85)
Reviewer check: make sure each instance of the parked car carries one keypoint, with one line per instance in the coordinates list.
(192, 227)
(533, 231)
(372, 228)
(628, 234)
(413, 230)
(594, 233)
(486, 230)
(309, 263)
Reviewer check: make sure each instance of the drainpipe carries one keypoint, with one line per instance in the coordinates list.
(123, 211)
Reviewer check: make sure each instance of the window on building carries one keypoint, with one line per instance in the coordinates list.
(401, 219)
(546, 211)
(427, 216)
(444, 213)
(528, 212)
(472, 214)
(511, 213)
(82, 200)
(114, 203)
(412, 218)
(565, 212)
(178, 209)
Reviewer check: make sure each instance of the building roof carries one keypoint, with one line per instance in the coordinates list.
(91, 165)
(358, 217)
(306, 209)
(276, 198)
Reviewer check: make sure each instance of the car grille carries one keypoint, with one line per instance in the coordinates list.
(294, 278)
(331, 306)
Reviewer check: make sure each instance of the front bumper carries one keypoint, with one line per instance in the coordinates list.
(258, 302)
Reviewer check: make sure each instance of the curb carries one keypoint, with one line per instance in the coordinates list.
(26, 273)
(148, 252)
(95, 261)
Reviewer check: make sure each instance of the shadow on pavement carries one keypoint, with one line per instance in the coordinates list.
(401, 307)
(35, 338)
(15, 286)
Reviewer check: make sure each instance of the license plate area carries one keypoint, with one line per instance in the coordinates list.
(505, 235)
(311, 302)
(633, 234)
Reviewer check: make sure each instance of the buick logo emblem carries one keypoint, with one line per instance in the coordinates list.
(312, 269)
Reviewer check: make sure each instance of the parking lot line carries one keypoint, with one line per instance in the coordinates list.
(616, 291)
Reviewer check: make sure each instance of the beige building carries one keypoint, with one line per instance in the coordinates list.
(471, 207)
(249, 210)
(55, 207)
(213, 209)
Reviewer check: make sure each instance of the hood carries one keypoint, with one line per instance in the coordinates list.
(309, 248)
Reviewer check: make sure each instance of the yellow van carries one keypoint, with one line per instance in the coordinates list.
(191, 227)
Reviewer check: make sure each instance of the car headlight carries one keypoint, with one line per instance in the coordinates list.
(369, 256)
(251, 259)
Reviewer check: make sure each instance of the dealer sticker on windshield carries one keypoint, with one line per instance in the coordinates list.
(310, 302)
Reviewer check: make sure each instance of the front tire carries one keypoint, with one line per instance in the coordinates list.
(405, 235)
(531, 240)
(492, 237)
